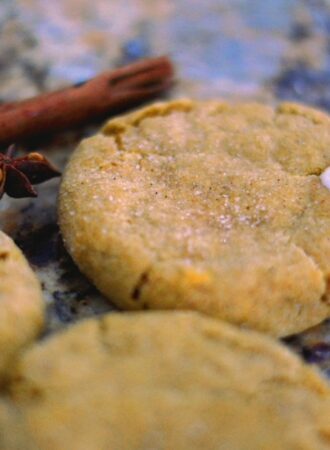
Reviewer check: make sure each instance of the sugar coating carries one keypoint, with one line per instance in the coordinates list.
(229, 192)
(168, 380)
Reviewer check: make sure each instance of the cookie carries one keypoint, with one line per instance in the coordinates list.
(206, 206)
(169, 380)
(21, 303)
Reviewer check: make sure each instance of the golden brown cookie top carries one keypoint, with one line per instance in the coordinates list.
(169, 380)
(206, 206)
(21, 303)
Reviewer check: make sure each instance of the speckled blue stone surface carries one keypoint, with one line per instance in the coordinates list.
(250, 49)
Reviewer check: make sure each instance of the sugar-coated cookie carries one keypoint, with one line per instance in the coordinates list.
(206, 206)
(21, 303)
(165, 381)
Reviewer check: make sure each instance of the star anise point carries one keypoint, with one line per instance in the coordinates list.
(18, 175)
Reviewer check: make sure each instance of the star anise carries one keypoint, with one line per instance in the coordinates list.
(17, 175)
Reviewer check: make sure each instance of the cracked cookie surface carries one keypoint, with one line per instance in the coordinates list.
(206, 206)
(21, 303)
(168, 380)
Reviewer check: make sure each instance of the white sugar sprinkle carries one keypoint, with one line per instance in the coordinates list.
(325, 178)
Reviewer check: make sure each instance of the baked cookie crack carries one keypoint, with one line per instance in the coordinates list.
(141, 283)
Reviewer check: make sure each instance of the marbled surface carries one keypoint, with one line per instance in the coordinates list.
(253, 49)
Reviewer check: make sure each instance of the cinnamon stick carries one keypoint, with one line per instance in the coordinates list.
(106, 93)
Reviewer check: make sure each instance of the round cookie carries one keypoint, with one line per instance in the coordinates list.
(206, 206)
(169, 380)
(21, 303)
